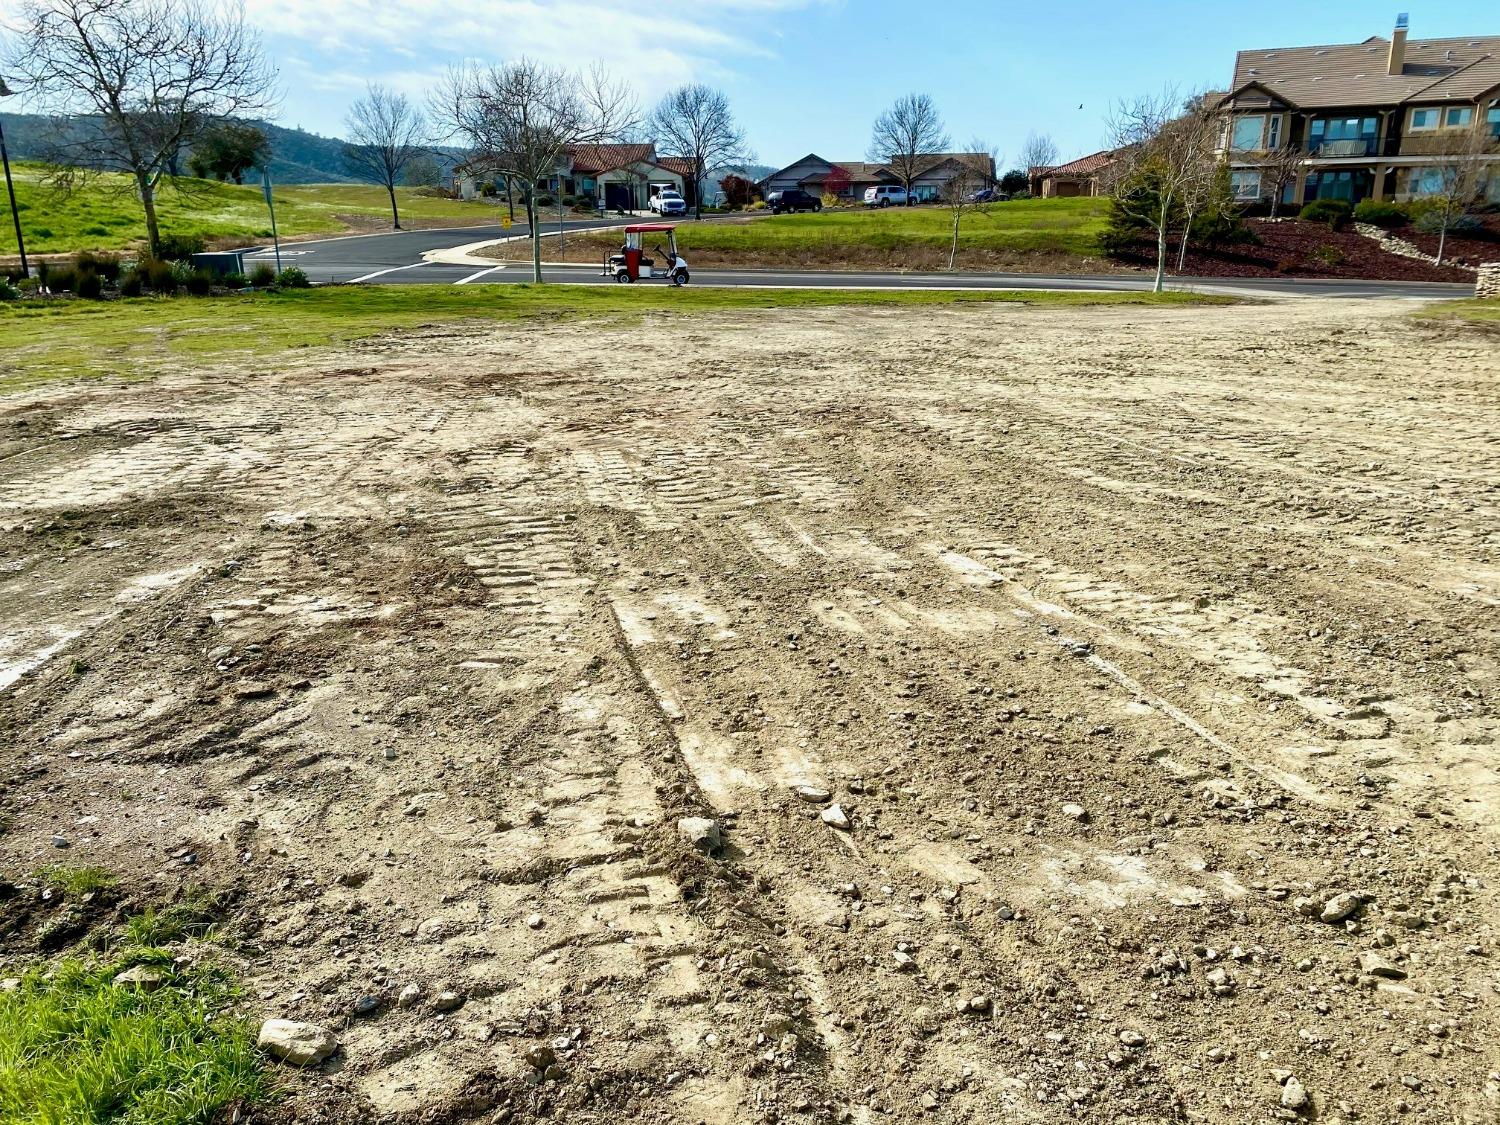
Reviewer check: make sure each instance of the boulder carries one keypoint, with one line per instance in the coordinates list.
(301, 1044)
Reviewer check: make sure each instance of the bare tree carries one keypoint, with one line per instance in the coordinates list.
(1278, 168)
(386, 134)
(1039, 151)
(965, 192)
(141, 80)
(1157, 158)
(906, 135)
(1194, 141)
(696, 122)
(1462, 164)
(520, 118)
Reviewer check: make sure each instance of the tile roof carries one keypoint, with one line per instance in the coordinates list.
(682, 165)
(1083, 166)
(592, 159)
(1355, 74)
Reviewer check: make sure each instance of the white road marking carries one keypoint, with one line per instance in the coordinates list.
(477, 276)
(382, 273)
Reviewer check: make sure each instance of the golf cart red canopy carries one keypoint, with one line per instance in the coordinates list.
(650, 228)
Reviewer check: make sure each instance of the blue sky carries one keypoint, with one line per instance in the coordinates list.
(810, 75)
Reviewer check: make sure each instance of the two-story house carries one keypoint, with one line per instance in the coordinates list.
(1366, 120)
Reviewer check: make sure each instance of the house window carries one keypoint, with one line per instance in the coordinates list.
(1245, 185)
(1459, 117)
(1273, 133)
(1423, 120)
(1426, 181)
(1492, 118)
(1248, 132)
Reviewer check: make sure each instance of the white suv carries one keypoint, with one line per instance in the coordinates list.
(885, 197)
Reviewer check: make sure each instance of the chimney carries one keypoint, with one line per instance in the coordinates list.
(1398, 45)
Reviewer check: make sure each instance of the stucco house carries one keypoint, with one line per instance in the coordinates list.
(625, 176)
(848, 179)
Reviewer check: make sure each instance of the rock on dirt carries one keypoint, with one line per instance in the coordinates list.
(301, 1044)
(700, 832)
(146, 978)
(835, 817)
(1341, 907)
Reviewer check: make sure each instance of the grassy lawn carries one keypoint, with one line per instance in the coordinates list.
(76, 1047)
(104, 215)
(41, 340)
(1474, 311)
(1029, 232)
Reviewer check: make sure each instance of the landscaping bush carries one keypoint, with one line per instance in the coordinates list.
(262, 276)
(1466, 226)
(106, 266)
(199, 282)
(1334, 212)
(89, 286)
(158, 276)
(179, 247)
(234, 281)
(1381, 214)
(132, 284)
(570, 201)
(543, 201)
(292, 278)
(829, 199)
(8, 292)
(758, 205)
(62, 279)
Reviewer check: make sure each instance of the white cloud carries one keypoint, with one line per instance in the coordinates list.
(333, 47)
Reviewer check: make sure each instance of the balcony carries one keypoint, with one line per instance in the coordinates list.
(1363, 146)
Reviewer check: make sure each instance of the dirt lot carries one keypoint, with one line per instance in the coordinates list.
(1130, 643)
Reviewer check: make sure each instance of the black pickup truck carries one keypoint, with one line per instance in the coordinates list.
(792, 200)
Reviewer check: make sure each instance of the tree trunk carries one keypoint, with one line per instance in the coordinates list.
(510, 198)
(395, 215)
(1442, 240)
(148, 201)
(536, 254)
(1182, 250)
(1161, 257)
(953, 248)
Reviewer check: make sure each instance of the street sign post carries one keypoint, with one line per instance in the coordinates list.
(265, 187)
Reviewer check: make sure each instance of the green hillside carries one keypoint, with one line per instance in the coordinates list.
(105, 215)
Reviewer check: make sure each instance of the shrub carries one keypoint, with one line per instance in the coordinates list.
(90, 286)
(199, 282)
(106, 266)
(1334, 212)
(1381, 214)
(1327, 255)
(179, 247)
(1431, 222)
(62, 279)
(132, 284)
(262, 276)
(41, 232)
(830, 200)
(758, 205)
(570, 201)
(292, 278)
(543, 201)
(233, 281)
(8, 292)
(159, 276)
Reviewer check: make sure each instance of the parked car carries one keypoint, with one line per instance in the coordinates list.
(884, 196)
(793, 199)
(987, 195)
(668, 203)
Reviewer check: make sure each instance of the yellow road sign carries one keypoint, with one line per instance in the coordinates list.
(505, 222)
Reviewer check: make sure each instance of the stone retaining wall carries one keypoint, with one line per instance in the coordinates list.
(1395, 244)
(1488, 284)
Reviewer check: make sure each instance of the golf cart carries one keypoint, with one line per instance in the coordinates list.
(631, 263)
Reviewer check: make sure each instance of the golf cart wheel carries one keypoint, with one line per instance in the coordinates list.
(680, 277)
(623, 278)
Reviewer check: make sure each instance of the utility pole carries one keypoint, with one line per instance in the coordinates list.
(10, 188)
(265, 187)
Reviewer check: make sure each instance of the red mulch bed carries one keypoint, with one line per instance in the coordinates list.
(1469, 250)
(1296, 249)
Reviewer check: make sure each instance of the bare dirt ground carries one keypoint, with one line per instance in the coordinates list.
(1130, 642)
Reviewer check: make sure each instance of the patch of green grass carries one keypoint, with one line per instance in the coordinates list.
(1064, 226)
(171, 924)
(104, 214)
(75, 1047)
(76, 881)
(1474, 311)
(44, 340)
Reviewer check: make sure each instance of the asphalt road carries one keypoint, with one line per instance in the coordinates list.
(397, 258)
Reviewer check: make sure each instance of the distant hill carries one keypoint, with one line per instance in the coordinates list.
(297, 156)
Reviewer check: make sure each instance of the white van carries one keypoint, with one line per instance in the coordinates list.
(885, 197)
